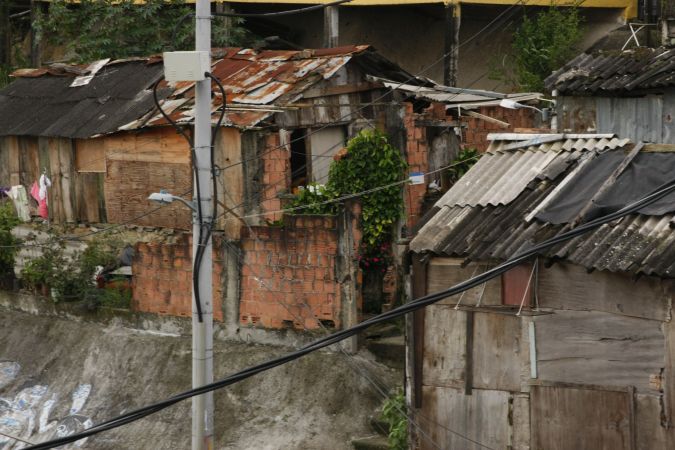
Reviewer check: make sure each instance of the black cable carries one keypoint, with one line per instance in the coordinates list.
(422, 302)
(200, 216)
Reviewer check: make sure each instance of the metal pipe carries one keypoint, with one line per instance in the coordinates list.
(202, 331)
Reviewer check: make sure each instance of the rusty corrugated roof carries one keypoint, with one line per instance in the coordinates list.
(593, 74)
(257, 83)
(501, 219)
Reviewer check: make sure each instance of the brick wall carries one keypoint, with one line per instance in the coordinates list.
(162, 278)
(276, 173)
(289, 274)
(475, 131)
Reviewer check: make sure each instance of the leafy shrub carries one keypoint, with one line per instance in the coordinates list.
(8, 220)
(371, 162)
(311, 200)
(393, 414)
(461, 165)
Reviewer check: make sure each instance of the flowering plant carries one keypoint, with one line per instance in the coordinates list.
(375, 258)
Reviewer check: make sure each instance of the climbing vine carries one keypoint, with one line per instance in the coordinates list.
(369, 163)
(393, 413)
(8, 220)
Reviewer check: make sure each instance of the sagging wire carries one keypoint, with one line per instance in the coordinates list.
(336, 337)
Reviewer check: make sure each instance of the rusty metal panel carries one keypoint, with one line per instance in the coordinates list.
(566, 418)
(517, 285)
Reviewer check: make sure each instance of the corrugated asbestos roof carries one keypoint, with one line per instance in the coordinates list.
(494, 217)
(258, 84)
(641, 68)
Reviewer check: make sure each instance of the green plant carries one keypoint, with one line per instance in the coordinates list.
(461, 165)
(311, 200)
(540, 46)
(96, 29)
(8, 220)
(393, 414)
(371, 163)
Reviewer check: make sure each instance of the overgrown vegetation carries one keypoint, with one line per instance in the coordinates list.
(540, 46)
(393, 414)
(369, 163)
(97, 29)
(8, 220)
(74, 278)
(466, 158)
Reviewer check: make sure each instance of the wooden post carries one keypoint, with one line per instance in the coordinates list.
(451, 47)
(331, 24)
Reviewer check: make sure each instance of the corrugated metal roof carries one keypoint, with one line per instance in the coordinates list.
(494, 230)
(41, 103)
(501, 174)
(641, 68)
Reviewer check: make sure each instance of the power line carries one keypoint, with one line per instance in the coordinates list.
(414, 305)
(18, 439)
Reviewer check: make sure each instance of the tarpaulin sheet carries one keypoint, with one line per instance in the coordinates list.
(645, 174)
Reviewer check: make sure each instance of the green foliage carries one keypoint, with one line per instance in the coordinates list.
(542, 45)
(393, 413)
(461, 165)
(5, 70)
(8, 220)
(97, 29)
(371, 162)
(311, 199)
(73, 278)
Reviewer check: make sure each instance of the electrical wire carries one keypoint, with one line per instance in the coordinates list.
(302, 10)
(336, 337)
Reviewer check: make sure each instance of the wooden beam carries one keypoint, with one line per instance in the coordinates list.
(451, 47)
(419, 289)
(468, 369)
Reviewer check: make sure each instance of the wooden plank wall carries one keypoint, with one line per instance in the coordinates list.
(604, 350)
(580, 419)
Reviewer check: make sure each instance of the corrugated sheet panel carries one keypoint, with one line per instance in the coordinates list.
(492, 230)
(641, 68)
(501, 175)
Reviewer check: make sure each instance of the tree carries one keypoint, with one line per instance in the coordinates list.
(543, 44)
(97, 29)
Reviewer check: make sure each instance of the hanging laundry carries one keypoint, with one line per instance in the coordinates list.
(39, 193)
(20, 199)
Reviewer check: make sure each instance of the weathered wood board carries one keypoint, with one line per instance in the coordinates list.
(482, 417)
(446, 272)
(128, 184)
(568, 286)
(497, 359)
(4, 162)
(230, 182)
(160, 145)
(651, 434)
(444, 361)
(89, 195)
(90, 155)
(579, 419)
(591, 347)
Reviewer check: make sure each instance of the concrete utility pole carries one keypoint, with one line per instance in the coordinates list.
(331, 26)
(451, 47)
(202, 332)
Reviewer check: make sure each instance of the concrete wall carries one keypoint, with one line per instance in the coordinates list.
(413, 35)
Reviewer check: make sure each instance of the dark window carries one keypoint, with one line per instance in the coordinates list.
(299, 167)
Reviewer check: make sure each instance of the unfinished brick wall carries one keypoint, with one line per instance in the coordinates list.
(475, 131)
(162, 278)
(288, 275)
(417, 149)
(276, 173)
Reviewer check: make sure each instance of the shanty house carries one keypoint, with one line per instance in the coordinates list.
(574, 349)
(630, 93)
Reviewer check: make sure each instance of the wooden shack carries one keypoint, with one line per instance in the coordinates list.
(95, 131)
(630, 93)
(573, 350)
